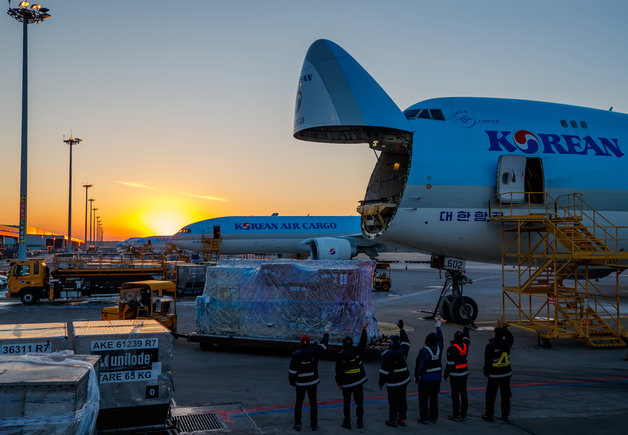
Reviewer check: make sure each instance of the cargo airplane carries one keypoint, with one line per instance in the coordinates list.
(152, 243)
(441, 161)
(319, 237)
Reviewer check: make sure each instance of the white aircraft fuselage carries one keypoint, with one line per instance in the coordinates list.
(442, 160)
(320, 237)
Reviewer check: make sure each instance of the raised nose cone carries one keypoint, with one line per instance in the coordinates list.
(339, 102)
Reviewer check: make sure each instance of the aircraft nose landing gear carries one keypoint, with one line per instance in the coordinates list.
(452, 305)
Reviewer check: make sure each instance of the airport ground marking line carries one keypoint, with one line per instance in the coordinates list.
(384, 398)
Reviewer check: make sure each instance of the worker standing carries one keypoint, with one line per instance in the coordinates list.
(351, 376)
(395, 375)
(498, 371)
(303, 375)
(457, 367)
(428, 373)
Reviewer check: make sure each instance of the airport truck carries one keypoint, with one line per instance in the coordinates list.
(79, 275)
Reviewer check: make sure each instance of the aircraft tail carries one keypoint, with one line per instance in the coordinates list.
(339, 102)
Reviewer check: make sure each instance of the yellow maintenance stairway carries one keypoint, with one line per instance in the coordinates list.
(552, 253)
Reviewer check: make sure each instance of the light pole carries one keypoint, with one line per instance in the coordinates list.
(26, 15)
(98, 232)
(86, 186)
(72, 141)
(94, 224)
(91, 210)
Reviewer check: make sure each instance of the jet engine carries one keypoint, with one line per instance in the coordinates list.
(329, 248)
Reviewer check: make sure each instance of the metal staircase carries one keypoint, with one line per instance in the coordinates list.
(552, 253)
(211, 249)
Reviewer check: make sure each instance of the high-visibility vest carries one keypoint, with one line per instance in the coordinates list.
(462, 363)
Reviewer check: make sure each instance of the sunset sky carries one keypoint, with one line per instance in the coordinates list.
(186, 108)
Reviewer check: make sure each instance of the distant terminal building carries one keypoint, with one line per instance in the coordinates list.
(37, 240)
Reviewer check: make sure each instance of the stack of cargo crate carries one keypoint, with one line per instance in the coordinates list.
(136, 369)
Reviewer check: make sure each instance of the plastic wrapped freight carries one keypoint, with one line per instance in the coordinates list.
(49, 394)
(20, 339)
(135, 371)
(284, 299)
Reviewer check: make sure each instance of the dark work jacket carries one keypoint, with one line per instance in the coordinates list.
(394, 370)
(457, 356)
(497, 356)
(349, 367)
(428, 363)
(303, 369)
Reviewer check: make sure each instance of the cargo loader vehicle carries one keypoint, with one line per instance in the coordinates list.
(79, 275)
(151, 299)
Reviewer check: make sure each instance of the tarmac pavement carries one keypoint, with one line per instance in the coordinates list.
(568, 388)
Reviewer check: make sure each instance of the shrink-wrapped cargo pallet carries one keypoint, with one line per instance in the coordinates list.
(284, 299)
(49, 394)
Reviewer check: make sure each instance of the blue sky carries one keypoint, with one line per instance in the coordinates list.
(195, 101)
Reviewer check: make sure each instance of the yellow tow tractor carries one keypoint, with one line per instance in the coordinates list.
(381, 276)
(149, 299)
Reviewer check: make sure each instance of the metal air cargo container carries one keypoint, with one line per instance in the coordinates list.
(135, 373)
(20, 339)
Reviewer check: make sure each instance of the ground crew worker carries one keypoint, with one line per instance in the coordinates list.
(395, 375)
(303, 375)
(428, 373)
(351, 376)
(498, 371)
(457, 367)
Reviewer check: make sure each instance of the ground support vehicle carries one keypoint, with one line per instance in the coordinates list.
(151, 299)
(381, 276)
(79, 275)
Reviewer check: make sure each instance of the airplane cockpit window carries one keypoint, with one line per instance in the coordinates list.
(185, 230)
(411, 113)
(437, 114)
(425, 114)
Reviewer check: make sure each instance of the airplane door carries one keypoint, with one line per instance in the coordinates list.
(511, 178)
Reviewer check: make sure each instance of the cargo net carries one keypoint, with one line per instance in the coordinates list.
(283, 299)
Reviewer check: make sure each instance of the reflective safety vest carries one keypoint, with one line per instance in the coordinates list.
(503, 360)
(459, 366)
(500, 364)
(351, 372)
(433, 363)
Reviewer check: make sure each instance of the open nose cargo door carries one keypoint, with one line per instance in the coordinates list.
(339, 102)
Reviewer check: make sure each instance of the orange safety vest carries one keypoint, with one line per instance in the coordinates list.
(463, 353)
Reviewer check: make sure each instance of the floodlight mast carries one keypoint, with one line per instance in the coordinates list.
(25, 14)
(71, 141)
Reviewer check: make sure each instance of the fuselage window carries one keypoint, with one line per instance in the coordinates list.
(563, 123)
(574, 124)
(583, 124)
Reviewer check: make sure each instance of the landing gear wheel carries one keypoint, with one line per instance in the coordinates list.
(29, 297)
(463, 310)
(385, 287)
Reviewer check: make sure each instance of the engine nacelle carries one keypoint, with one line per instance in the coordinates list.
(330, 248)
